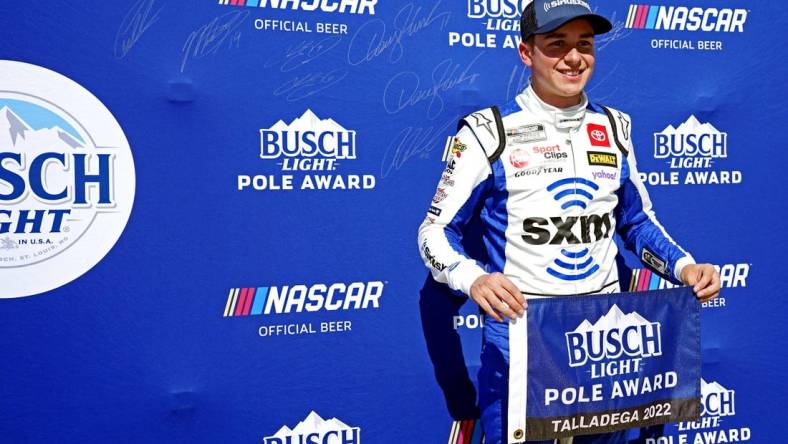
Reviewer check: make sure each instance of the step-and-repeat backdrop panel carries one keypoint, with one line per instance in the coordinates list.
(208, 210)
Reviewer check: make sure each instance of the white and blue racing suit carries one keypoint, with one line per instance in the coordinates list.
(551, 186)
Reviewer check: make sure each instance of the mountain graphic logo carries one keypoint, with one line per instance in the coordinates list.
(614, 318)
(316, 429)
(68, 180)
(308, 136)
(42, 127)
(716, 399)
(691, 139)
(612, 336)
(573, 192)
(573, 265)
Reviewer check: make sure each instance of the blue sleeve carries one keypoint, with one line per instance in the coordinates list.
(462, 187)
(641, 232)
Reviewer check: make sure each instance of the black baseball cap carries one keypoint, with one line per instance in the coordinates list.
(543, 16)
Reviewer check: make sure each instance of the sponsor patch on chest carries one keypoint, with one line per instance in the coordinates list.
(525, 134)
(602, 159)
(597, 135)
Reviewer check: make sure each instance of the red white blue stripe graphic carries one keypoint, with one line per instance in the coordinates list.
(645, 280)
(245, 301)
(642, 16)
(249, 3)
(467, 431)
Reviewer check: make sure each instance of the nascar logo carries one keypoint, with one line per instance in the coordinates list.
(341, 6)
(682, 18)
(298, 298)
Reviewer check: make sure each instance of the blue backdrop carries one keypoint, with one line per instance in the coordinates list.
(172, 336)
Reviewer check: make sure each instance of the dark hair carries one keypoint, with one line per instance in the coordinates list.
(527, 20)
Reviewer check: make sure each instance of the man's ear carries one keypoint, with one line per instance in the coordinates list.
(526, 52)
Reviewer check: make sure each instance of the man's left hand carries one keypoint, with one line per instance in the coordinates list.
(704, 279)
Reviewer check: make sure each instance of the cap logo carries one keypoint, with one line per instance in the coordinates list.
(548, 5)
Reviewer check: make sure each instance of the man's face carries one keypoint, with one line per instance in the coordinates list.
(561, 62)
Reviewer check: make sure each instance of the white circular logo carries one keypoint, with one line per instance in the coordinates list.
(598, 135)
(519, 158)
(66, 180)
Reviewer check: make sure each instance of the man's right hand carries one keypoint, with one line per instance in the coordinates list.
(497, 296)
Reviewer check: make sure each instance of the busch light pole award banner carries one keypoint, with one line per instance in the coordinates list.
(604, 363)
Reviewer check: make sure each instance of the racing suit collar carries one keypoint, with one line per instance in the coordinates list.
(563, 118)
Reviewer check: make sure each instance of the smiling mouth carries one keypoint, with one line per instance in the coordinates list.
(572, 73)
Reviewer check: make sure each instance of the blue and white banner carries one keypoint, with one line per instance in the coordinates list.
(602, 363)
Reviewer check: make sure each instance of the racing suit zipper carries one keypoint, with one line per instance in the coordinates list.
(574, 172)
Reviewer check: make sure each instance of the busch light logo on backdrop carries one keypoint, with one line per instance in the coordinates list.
(296, 299)
(507, 9)
(310, 150)
(686, 18)
(718, 406)
(691, 144)
(716, 400)
(500, 21)
(613, 336)
(308, 140)
(691, 152)
(316, 430)
(66, 180)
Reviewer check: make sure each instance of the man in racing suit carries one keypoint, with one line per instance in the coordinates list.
(553, 176)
